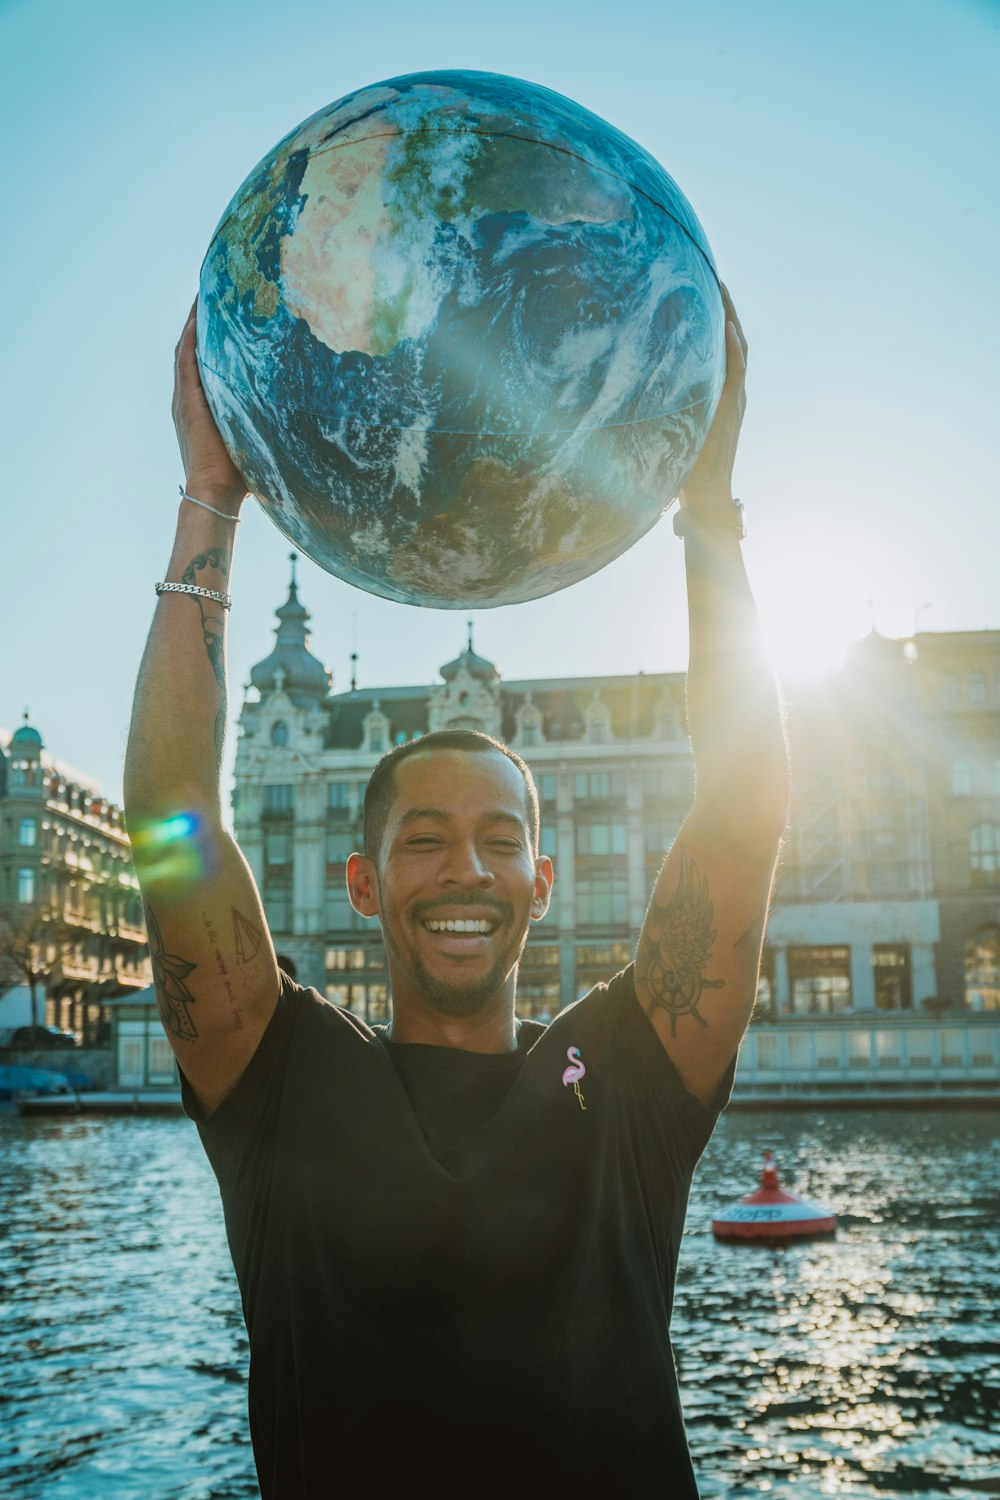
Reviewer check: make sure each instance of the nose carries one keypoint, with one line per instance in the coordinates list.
(464, 868)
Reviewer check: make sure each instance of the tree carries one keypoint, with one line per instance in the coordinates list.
(33, 944)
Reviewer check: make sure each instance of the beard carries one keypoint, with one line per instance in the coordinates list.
(455, 997)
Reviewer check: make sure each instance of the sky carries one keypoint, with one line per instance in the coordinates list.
(841, 159)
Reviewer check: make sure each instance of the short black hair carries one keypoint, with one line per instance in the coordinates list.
(381, 788)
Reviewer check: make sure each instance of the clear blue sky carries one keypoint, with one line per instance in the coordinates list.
(841, 158)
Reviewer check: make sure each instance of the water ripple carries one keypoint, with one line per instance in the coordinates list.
(855, 1367)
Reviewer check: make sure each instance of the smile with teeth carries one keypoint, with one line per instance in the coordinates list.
(465, 924)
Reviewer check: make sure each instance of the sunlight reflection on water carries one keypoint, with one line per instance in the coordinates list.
(852, 1367)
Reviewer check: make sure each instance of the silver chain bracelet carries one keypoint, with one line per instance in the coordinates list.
(226, 600)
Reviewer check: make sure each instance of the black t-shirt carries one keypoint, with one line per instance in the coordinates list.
(459, 1269)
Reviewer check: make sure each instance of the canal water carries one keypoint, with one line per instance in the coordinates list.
(861, 1366)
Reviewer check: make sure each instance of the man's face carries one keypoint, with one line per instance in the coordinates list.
(457, 880)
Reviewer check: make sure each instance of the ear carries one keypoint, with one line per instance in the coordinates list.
(362, 886)
(544, 877)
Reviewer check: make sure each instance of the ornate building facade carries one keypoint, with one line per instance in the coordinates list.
(888, 895)
(64, 855)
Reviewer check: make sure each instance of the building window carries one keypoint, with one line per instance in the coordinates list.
(977, 688)
(27, 833)
(601, 838)
(339, 847)
(279, 733)
(547, 785)
(598, 786)
(345, 958)
(339, 914)
(375, 731)
(339, 795)
(982, 970)
(819, 980)
(278, 910)
(949, 688)
(277, 848)
(370, 1002)
(984, 853)
(25, 886)
(538, 999)
(548, 840)
(961, 779)
(891, 963)
(602, 899)
(280, 798)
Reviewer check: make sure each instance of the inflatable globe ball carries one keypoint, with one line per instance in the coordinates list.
(463, 338)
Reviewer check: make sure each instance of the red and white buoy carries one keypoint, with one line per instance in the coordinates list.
(772, 1214)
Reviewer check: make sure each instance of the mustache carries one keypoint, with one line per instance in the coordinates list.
(501, 910)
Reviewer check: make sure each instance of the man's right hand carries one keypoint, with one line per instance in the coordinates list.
(209, 472)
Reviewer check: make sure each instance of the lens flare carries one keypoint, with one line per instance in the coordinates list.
(167, 853)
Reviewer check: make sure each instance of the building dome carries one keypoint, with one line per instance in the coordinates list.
(26, 737)
(476, 666)
(291, 666)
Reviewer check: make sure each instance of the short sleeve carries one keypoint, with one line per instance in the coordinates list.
(651, 1083)
(237, 1131)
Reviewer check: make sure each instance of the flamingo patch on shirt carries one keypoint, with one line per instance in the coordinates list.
(572, 1075)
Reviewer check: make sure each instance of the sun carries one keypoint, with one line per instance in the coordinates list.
(804, 649)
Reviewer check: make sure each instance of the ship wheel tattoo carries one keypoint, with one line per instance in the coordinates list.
(172, 995)
(675, 948)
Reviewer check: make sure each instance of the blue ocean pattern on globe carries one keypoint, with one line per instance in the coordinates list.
(462, 337)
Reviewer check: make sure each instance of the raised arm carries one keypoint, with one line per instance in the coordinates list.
(699, 951)
(213, 963)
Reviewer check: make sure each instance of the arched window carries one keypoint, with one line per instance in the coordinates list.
(598, 722)
(984, 853)
(376, 730)
(279, 733)
(982, 970)
(529, 725)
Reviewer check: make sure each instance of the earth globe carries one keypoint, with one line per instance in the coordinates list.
(462, 337)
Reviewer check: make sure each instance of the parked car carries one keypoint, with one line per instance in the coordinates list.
(42, 1036)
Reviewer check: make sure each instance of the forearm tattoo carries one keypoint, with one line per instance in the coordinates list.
(676, 946)
(173, 998)
(213, 627)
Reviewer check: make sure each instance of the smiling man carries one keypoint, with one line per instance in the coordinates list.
(456, 1237)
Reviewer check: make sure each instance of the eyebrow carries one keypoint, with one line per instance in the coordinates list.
(441, 815)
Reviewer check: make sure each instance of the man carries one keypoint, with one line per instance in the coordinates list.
(456, 1238)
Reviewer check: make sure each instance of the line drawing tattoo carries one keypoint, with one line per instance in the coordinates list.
(246, 936)
(676, 943)
(173, 997)
(213, 629)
